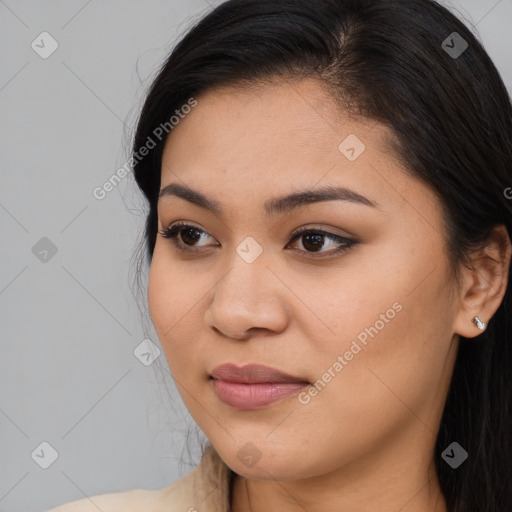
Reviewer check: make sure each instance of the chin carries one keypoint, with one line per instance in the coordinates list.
(253, 464)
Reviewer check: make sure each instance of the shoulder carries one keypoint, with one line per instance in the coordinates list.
(178, 496)
(205, 488)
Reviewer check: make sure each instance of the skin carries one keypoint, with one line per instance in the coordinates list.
(366, 440)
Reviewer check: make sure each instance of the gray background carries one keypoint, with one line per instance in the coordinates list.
(70, 324)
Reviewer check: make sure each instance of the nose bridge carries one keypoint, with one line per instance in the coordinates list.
(247, 280)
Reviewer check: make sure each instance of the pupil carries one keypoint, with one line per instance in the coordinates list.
(188, 232)
(316, 240)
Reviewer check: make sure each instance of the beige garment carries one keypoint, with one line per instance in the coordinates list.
(204, 489)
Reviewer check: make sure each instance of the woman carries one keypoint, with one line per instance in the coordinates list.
(329, 246)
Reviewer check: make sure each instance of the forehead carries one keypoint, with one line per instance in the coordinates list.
(243, 145)
(293, 125)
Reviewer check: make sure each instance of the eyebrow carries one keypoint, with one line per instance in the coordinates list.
(276, 206)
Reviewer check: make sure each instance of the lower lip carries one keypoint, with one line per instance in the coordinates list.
(254, 396)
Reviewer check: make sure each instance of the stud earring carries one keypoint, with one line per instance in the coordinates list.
(479, 323)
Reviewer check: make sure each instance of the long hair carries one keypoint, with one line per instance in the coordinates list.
(398, 62)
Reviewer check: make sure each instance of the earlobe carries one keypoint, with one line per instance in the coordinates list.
(484, 283)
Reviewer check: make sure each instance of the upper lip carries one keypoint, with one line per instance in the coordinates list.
(251, 374)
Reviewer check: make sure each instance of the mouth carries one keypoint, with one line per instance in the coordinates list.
(253, 386)
(252, 374)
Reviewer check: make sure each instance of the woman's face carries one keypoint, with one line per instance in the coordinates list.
(366, 319)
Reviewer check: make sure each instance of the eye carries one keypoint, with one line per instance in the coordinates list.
(185, 237)
(314, 239)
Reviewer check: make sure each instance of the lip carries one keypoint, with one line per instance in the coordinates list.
(252, 374)
(253, 386)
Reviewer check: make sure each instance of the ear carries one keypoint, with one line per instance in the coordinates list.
(484, 284)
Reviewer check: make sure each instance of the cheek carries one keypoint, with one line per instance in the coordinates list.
(174, 309)
(392, 329)
(169, 296)
(166, 299)
(159, 299)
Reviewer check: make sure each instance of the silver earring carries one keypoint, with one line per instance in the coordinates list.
(479, 323)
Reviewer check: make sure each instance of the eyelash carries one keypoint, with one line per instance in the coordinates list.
(174, 230)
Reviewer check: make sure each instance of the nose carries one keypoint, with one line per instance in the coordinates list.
(248, 299)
